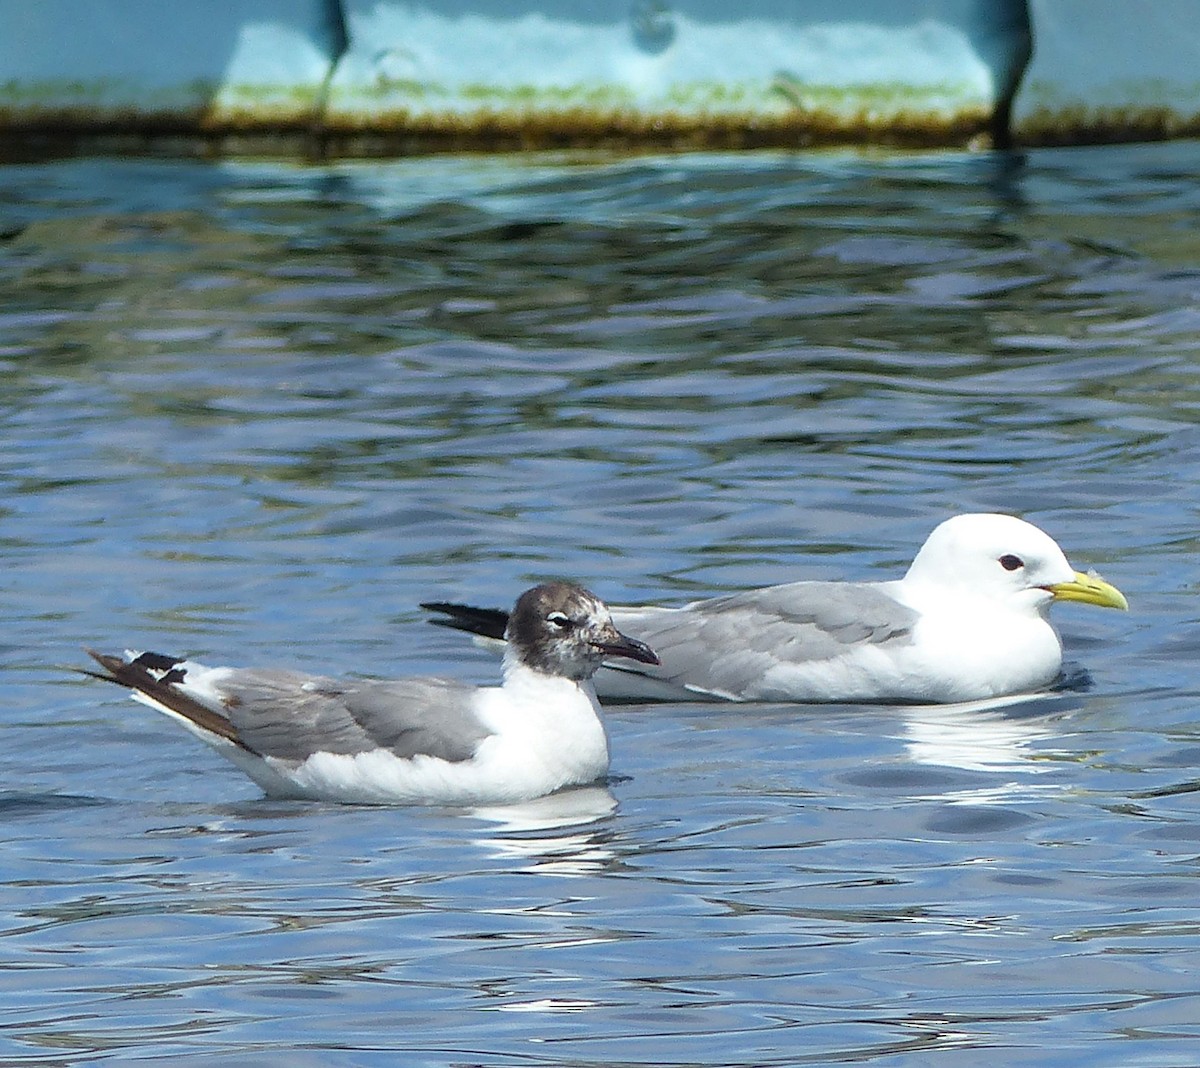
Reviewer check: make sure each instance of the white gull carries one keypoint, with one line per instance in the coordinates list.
(967, 622)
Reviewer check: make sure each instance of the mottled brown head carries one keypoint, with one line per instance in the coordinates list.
(562, 629)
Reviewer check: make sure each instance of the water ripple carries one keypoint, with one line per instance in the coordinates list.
(260, 412)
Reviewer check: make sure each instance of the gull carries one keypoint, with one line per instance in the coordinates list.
(966, 623)
(414, 740)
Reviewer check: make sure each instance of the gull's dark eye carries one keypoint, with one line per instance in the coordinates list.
(559, 621)
(1010, 562)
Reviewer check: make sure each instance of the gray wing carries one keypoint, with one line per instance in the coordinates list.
(727, 645)
(290, 716)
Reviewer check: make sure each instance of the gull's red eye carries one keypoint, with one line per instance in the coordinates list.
(1010, 562)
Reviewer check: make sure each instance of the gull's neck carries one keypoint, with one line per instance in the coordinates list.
(519, 675)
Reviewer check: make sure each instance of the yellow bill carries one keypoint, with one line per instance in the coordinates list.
(1090, 589)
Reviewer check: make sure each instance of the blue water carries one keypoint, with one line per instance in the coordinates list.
(256, 413)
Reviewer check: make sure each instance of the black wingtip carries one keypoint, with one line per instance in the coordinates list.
(137, 675)
(110, 663)
(486, 622)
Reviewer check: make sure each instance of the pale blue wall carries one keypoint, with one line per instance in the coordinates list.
(870, 65)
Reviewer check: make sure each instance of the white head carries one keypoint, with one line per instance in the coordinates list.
(1005, 558)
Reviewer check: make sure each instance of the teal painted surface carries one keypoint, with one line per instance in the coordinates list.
(111, 59)
(365, 63)
(868, 58)
(855, 69)
(1111, 70)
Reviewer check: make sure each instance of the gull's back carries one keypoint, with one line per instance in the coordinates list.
(800, 641)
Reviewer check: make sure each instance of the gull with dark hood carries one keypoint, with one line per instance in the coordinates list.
(415, 740)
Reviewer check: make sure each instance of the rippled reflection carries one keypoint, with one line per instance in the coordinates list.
(983, 735)
(520, 833)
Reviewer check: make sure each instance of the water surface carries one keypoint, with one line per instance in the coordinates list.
(256, 413)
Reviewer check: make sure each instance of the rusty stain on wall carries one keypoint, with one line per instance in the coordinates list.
(1082, 125)
(487, 130)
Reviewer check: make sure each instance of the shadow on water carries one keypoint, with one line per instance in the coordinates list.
(16, 805)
